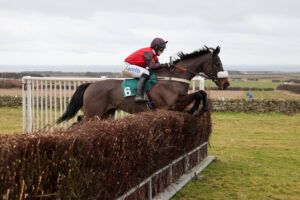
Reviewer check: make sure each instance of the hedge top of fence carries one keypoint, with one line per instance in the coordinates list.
(97, 159)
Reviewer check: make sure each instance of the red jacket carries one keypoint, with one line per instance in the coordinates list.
(143, 58)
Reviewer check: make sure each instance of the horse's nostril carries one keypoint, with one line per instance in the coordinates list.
(226, 85)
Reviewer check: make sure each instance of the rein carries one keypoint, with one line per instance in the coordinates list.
(162, 78)
(192, 72)
(213, 78)
(170, 78)
(221, 74)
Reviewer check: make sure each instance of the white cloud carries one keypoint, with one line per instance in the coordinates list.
(104, 32)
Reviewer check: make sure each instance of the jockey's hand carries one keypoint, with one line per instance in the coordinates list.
(171, 63)
(167, 65)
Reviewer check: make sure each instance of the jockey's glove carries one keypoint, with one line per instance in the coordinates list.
(171, 63)
(168, 65)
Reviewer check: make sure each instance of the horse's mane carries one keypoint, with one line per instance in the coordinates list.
(199, 52)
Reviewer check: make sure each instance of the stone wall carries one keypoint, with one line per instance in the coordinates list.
(10, 101)
(256, 106)
(235, 105)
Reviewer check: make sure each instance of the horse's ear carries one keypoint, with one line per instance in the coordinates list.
(206, 47)
(216, 51)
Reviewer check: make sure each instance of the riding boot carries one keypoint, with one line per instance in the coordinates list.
(140, 88)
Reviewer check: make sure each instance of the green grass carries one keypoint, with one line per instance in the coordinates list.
(258, 158)
(10, 120)
(277, 95)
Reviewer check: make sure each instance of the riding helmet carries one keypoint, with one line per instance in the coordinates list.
(158, 44)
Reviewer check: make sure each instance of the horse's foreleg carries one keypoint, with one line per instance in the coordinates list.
(110, 113)
(202, 95)
(183, 101)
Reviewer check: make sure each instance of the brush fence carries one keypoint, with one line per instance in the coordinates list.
(44, 99)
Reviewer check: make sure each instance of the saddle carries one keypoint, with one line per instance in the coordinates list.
(129, 86)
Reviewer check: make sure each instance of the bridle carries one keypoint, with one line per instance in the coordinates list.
(214, 78)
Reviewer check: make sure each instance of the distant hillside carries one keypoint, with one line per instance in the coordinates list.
(235, 74)
(9, 75)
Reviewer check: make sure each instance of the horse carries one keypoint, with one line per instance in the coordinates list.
(103, 98)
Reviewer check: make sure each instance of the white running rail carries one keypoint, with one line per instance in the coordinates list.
(174, 185)
(44, 99)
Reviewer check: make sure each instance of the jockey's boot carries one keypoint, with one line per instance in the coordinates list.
(140, 88)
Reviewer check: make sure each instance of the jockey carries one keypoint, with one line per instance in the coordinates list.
(138, 63)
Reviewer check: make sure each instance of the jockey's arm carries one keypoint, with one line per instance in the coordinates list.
(151, 62)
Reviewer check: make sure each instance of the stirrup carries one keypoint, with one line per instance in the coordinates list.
(139, 99)
(151, 105)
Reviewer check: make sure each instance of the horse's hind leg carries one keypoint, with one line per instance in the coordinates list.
(100, 109)
(95, 108)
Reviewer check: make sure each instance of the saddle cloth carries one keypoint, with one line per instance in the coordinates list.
(129, 86)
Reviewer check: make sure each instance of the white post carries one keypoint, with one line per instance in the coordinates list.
(171, 174)
(46, 104)
(65, 96)
(60, 100)
(193, 84)
(186, 163)
(37, 105)
(55, 103)
(42, 105)
(150, 189)
(50, 102)
(29, 106)
(24, 88)
(33, 103)
(201, 83)
(69, 91)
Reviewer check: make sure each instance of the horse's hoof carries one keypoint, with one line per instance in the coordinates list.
(79, 118)
(150, 105)
(202, 112)
(196, 113)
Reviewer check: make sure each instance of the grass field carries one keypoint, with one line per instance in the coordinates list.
(277, 94)
(230, 94)
(258, 157)
(10, 120)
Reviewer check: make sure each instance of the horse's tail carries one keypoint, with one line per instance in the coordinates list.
(75, 104)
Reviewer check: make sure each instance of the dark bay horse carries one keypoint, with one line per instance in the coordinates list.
(103, 98)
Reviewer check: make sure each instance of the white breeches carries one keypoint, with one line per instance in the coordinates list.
(134, 70)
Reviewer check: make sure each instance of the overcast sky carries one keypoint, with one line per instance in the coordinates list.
(96, 32)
